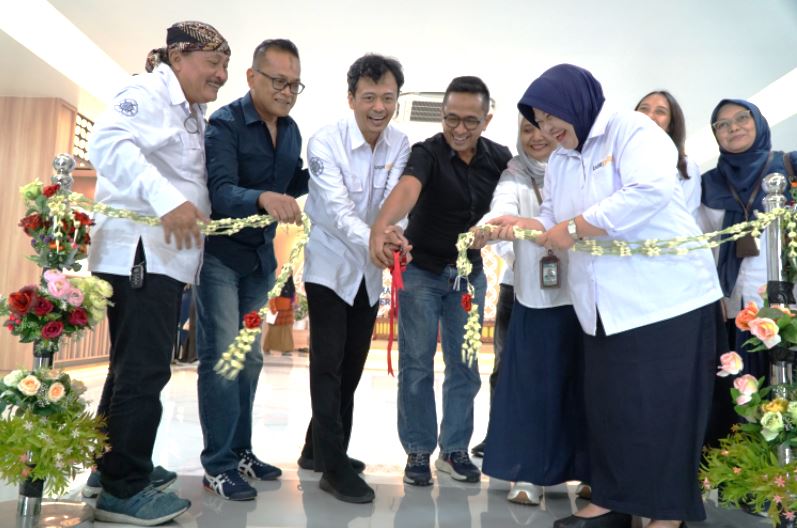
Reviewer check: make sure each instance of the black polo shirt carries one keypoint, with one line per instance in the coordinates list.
(454, 197)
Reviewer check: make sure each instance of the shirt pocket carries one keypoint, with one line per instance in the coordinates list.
(193, 153)
(352, 181)
(380, 178)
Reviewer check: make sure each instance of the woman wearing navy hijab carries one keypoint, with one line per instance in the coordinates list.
(731, 193)
(650, 323)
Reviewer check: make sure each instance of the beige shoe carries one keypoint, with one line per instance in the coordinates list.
(525, 493)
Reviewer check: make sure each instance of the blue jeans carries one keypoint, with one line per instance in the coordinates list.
(223, 297)
(428, 300)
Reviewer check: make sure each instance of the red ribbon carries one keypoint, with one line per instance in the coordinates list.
(396, 284)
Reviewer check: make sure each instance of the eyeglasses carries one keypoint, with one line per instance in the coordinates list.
(453, 121)
(279, 83)
(740, 119)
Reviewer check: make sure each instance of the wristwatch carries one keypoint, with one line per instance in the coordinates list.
(571, 229)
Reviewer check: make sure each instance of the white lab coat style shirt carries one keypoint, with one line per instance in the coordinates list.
(691, 188)
(515, 195)
(349, 182)
(149, 152)
(622, 182)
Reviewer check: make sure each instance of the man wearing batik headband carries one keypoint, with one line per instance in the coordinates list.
(148, 149)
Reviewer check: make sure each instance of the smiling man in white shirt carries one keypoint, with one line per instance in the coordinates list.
(354, 164)
(148, 149)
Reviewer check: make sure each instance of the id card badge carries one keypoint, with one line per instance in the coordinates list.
(549, 271)
(747, 246)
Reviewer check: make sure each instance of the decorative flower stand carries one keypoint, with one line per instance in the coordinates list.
(31, 510)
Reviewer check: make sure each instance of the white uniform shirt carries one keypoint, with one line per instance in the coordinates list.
(691, 187)
(515, 195)
(149, 153)
(348, 184)
(622, 182)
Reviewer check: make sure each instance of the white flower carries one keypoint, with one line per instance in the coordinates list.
(29, 385)
(13, 377)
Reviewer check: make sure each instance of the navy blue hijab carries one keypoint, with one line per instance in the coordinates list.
(741, 172)
(567, 92)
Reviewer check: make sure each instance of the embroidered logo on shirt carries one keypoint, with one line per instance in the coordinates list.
(127, 107)
(603, 163)
(316, 166)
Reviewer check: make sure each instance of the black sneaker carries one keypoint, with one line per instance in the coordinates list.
(458, 465)
(251, 466)
(478, 449)
(229, 485)
(417, 471)
(306, 462)
(348, 487)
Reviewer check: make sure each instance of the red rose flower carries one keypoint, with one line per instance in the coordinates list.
(23, 300)
(467, 301)
(50, 190)
(31, 223)
(78, 317)
(42, 307)
(52, 329)
(252, 320)
(82, 218)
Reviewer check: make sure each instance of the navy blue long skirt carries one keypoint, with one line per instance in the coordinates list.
(537, 430)
(649, 393)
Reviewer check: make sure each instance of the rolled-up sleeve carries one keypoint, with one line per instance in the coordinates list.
(221, 148)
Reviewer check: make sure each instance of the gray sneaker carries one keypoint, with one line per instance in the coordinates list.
(160, 478)
(148, 507)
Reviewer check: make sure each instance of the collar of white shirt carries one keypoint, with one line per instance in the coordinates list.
(356, 138)
(176, 94)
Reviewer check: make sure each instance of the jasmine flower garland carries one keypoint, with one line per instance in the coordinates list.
(232, 360)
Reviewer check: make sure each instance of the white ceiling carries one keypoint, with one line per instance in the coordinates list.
(700, 50)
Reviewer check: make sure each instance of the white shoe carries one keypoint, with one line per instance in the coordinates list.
(525, 493)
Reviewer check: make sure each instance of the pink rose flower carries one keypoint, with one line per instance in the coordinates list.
(74, 297)
(747, 385)
(730, 364)
(766, 330)
(59, 287)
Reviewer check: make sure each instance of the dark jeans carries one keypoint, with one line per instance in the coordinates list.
(143, 328)
(340, 337)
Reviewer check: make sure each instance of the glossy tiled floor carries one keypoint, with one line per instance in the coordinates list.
(282, 412)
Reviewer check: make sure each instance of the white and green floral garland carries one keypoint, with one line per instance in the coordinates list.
(232, 361)
(622, 248)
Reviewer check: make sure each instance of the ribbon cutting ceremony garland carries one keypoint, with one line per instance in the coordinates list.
(618, 248)
(59, 208)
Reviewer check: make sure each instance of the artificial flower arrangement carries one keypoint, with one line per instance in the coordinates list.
(43, 414)
(61, 306)
(59, 233)
(754, 466)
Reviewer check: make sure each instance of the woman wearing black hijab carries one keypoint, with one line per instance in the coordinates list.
(650, 322)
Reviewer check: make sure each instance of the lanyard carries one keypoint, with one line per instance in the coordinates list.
(537, 191)
(757, 186)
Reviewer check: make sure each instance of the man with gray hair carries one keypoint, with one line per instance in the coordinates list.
(254, 166)
(148, 152)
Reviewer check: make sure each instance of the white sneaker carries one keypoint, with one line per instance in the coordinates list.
(525, 493)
